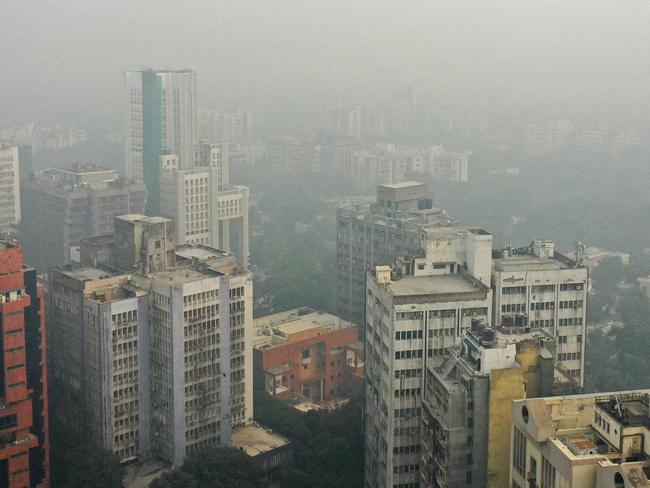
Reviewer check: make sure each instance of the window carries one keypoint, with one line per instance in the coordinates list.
(519, 451)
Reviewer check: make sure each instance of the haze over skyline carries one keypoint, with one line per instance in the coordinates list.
(68, 56)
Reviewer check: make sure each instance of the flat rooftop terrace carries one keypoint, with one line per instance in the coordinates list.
(256, 440)
(434, 285)
(86, 273)
(530, 263)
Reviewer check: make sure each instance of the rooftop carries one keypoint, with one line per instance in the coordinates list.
(143, 218)
(86, 273)
(402, 184)
(201, 252)
(255, 440)
(179, 276)
(434, 285)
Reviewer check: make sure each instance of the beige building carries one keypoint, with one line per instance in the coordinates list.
(206, 209)
(583, 441)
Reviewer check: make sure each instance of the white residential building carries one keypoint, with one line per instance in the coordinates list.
(9, 186)
(414, 315)
(537, 287)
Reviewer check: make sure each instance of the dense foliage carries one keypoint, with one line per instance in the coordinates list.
(618, 353)
(329, 445)
(214, 468)
(89, 467)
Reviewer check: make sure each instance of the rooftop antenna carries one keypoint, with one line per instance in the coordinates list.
(580, 253)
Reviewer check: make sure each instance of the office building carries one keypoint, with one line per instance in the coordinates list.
(24, 430)
(286, 155)
(375, 234)
(205, 207)
(308, 354)
(537, 287)
(233, 127)
(155, 363)
(414, 315)
(466, 405)
(161, 118)
(9, 186)
(68, 204)
(588, 441)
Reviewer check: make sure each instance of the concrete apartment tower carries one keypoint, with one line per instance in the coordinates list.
(24, 429)
(161, 118)
(9, 186)
(375, 235)
(535, 286)
(62, 206)
(155, 360)
(415, 314)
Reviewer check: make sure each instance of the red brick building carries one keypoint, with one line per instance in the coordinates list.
(24, 456)
(311, 355)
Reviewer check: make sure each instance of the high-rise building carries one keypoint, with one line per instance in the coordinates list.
(161, 118)
(376, 234)
(9, 186)
(598, 440)
(537, 287)
(466, 405)
(68, 204)
(204, 205)
(155, 362)
(414, 316)
(24, 430)
(233, 127)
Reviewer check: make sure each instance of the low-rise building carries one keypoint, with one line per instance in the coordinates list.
(312, 355)
(587, 441)
(269, 450)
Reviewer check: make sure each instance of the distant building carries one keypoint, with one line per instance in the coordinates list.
(233, 127)
(9, 186)
(644, 284)
(203, 204)
(161, 119)
(24, 424)
(155, 362)
(307, 354)
(61, 206)
(375, 234)
(539, 288)
(591, 441)
(548, 137)
(286, 155)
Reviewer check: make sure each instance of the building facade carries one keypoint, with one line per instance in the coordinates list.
(68, 204)
(591, 441)
(161, 118)
(376, 234)
(24, 425)
(414, 316)
(313, 355)
(540, 288)
(155, 362)
(9, 186)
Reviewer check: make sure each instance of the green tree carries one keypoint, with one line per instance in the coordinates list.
(90, 467)
(214, 468)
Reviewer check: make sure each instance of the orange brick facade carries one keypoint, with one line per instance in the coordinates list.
(314, 363)
(23, 384)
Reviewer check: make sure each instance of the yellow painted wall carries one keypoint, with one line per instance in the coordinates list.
(505, 385)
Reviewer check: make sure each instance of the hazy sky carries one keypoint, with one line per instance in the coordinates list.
(64, 56)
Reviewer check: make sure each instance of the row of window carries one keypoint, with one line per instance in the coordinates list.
(571, 321)
(408, 334)
(569, 356)
(408, 392)
(410, 354)
(406, 468)
(407, 412)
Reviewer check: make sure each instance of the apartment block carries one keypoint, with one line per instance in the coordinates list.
(9, 186)
(466, 405)
(375, 234)
(308, 354)
(537, 287)
(24, 424)
(155, 362)
(588, 441)
(233, 127)
(205, 207)
(414, 315)
(70, 203)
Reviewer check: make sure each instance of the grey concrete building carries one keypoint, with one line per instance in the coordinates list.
(414, 314)
(369, 235)
(9, 186)
(61, 206)
(535, 286)
(156, 363)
